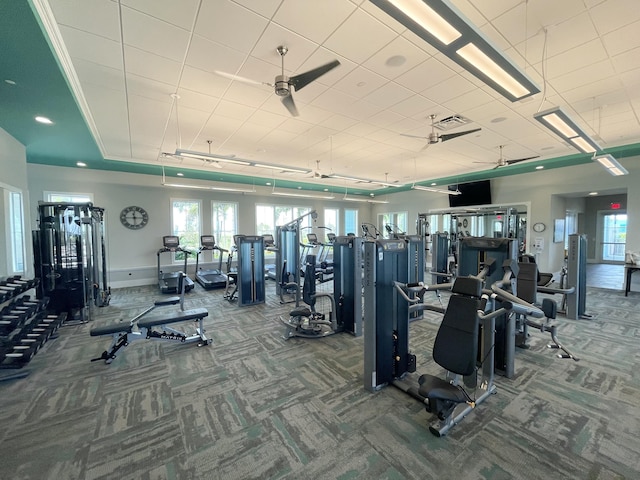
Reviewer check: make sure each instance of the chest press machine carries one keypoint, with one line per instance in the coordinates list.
(154, 327)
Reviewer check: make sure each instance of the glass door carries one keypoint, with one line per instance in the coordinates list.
(614, 235)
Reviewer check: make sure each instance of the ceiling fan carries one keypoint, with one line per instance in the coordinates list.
(317, 174)
(503, 162)
(434, 137)
(282, 83)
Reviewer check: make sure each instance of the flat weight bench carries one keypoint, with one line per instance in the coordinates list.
(123, 333)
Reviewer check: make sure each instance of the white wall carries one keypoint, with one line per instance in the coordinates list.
(131, 254)
(13, 165)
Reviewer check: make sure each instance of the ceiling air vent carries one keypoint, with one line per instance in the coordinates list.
(449, 123)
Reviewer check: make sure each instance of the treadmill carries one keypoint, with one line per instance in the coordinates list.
(212, 278)
(169, 282)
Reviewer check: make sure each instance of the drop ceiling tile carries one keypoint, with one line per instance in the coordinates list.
(449, 89)
(93, 74)
(388, 95)
(314, 20)
(385, 118)
(349, 41)
(360, 82)
(153, 35)
(629, 60)
(234, 110)
(584, 76)
(622, 39)
(299, 48)
(268, 119)
(551, 13)
(92, 48)
(148, 65)
(486, 9)
(614, 14)
(196, 101)
(147, 119)
(266, 8)
(180, 14)
(251, 96)
(148, 88)
(339, 122)
(396, 58)
(429, 73)
(203, 82)
(414, 106)
(471, 99)
(94, 16)
(322, 56)
(227, 23)
(576, 58)
(210, 56)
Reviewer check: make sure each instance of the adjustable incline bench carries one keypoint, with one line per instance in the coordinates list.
(154, 328)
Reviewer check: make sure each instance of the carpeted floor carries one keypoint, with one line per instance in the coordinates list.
(253, 405)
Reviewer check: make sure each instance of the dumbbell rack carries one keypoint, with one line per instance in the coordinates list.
(25, 325)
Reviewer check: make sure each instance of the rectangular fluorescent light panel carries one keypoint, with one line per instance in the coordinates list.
(304, 195)
(611, 164)
(210, 156)
(206, 187)
(364, 180)
(435, 190)
(443, 26)
(559, 123)
(281, 168)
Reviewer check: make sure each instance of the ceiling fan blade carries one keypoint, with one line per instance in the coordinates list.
(414, 136)
(449, 136)
(304, 79)
(518, 160)
(425, 147)
(290, 104)
(238, 78)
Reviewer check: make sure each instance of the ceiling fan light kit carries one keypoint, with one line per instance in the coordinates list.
(444, 27)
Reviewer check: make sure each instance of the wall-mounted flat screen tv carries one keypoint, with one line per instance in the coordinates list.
(472, 193)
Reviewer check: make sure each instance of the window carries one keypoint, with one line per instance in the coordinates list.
(185, 219)
(63, 197)
(392, 223)
(16, 227)
(331, 220)
(351, 221)
(224, 223)
(268, 217)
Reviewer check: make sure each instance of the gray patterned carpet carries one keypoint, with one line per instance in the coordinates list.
(255, 406)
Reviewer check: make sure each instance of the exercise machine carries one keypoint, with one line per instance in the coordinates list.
(466, 334)
(211, 278)
(155, 327)
(287, 259)
(70, 259)
(306, 321)
(250, 282)
(169, 281)
(269, 246)
(440, 258)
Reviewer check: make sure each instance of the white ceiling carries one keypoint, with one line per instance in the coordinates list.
(129, 56)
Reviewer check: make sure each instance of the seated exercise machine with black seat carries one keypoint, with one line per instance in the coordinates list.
(210, 278)
(154, 327)
(306, 321)
(464, 340)
(169, 281)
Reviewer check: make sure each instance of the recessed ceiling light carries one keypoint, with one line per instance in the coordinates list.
(44, 120)
(593, 193)
(268, 183)
(81, 164)
(433, 184)
(180, 174)
(326, 189)
(539, 167)
(299, 188)
(10, 82)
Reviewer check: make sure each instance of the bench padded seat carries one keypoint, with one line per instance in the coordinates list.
(193, 314)
(124, 327)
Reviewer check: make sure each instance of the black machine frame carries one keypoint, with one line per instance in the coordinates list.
(169, 282)
(210, 278)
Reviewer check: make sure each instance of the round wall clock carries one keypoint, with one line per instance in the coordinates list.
(134, 217)
(539, 227)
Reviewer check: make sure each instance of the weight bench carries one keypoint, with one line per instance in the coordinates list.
(154, 328)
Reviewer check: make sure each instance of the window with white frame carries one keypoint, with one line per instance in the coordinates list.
(185, 221)
(268, 217)
(392, 223)
(68, 197)
(351, 221)
(331, 221)
(225, 223)
(16, 232)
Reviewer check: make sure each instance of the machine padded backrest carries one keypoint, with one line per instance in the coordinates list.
(527, 281)
(469, 286)
(456, 344)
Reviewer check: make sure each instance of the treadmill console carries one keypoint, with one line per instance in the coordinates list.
(208, 241)
(312, 238)
(171, 242)
(268, 240)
